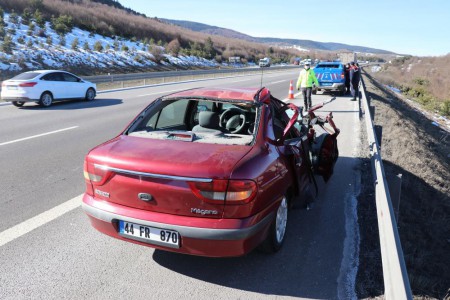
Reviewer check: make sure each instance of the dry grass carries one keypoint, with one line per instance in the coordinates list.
(425, 79)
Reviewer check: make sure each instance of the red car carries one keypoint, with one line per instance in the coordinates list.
(208, 172)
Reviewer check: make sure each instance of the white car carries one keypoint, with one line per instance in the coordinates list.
(45, 87)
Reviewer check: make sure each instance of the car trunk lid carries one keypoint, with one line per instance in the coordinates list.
(158, 175)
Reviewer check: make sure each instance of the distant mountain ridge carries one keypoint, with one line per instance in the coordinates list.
(307, 44)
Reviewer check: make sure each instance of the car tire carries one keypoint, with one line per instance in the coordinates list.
(46, 99)
(18, 103)
(314, 92)
(277, 231)
(90, 94)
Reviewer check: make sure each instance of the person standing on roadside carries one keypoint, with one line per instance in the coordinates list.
(305, 82)
(347, 78)
(355, 77)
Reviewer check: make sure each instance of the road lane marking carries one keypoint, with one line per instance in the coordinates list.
(23, 228)
(280, 81)
(38, 135)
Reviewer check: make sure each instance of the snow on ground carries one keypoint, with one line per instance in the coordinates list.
(44, 55)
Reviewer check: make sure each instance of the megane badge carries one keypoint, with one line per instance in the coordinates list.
(145, 197)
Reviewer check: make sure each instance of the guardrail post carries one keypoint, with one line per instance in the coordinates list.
(372, 112)
(378, 133)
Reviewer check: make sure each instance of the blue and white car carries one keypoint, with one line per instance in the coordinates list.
(45, 87)
(331, 76)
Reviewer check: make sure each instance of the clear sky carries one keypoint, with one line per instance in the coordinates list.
(402, 26)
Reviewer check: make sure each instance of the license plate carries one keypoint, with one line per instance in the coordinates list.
(149, 234)
(11, 87)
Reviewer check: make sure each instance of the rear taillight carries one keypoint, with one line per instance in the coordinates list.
(342, 75)
(231, 191)
(89, 189)
(96, 174)
(27, 84)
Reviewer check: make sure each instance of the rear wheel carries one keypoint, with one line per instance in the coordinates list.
(277, 230)
(18, 103)
(90, 94)
(46, 99)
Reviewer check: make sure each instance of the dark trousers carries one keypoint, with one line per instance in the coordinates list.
(355, 90)
(307, 97)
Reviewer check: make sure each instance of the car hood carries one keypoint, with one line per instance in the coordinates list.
(169, 157)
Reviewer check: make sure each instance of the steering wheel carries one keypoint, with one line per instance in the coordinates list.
(233, 120)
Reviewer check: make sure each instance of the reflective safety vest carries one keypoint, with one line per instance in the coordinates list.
(307, 78)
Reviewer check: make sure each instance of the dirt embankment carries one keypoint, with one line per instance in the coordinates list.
(420, 151)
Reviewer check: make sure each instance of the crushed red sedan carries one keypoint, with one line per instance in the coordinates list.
(210, 172)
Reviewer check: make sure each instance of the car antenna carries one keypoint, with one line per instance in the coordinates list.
(262, 73)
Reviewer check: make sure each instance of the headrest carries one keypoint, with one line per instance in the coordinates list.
(209, 119)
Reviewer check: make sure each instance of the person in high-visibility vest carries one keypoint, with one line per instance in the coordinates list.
(305, 82)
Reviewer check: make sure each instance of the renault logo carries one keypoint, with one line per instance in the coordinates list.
(145, 197)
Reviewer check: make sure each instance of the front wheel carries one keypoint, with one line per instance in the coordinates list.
(277, 230)
(18, 103)
(90, 94)
(46, 99)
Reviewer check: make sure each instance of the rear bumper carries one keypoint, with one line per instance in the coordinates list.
(18, 99)
(215, 238)
(333, 87)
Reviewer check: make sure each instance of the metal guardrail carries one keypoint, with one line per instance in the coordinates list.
(396, 281)
(180, 73)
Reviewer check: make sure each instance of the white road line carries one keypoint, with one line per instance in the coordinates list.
(23, 228)
(277, 82)
(38, 135)
(240, 80)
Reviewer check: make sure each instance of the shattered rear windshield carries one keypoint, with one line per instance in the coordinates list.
(198, 121)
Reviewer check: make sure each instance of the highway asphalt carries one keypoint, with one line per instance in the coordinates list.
(50, 251)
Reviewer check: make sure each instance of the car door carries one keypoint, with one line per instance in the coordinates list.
(50, 81)
(294, 150)
(74, 86)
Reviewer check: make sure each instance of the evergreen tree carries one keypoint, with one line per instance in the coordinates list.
(75, 43)
(49, 40)
(62, 40)
(7, 45)
(26, 16)
(209, 50)
(98, 46)
(21, 40)
(30, 43)
(2, 31)
(86, 46)
(13, 17)
(39, 19)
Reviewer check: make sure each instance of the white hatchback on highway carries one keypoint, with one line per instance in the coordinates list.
(45, 87)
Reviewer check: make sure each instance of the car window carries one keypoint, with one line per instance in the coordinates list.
(26, 76)
(69, 77)
(170, 117)
(178, 119)
(330, 66)
(56, 76)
